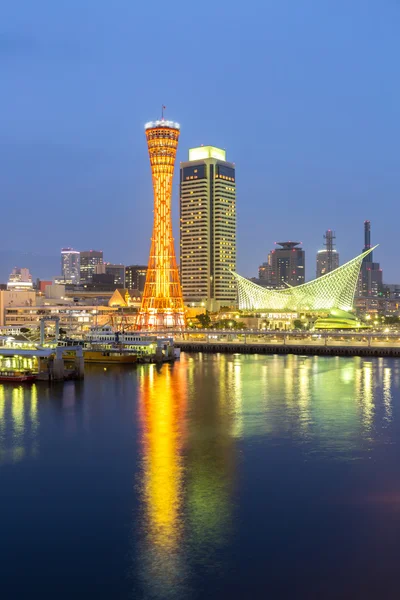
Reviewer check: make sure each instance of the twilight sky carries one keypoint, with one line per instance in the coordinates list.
(303, 94)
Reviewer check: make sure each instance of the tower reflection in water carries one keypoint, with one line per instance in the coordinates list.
(188, 428)
(162, 403)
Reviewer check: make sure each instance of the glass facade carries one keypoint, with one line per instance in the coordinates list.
(88, 261)
(70, 265)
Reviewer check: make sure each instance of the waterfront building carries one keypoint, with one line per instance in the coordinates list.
(162, 302)
(370, 281)
(89, 260)
(208, 228)
(75, 319)
(285, 266)
(135, 277)
(328, 258)
(15, 297)
(335, 290)
(20, 279)
(70, 265)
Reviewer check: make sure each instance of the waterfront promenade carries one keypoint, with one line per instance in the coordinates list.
(273, 342)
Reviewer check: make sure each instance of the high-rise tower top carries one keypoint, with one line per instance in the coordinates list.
(162, 123)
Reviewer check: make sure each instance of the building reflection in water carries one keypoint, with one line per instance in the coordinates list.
(19, 422)
(387, 393)
(162, 403)
(215, 423)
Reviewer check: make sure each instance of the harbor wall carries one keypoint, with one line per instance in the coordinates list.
(232, 348)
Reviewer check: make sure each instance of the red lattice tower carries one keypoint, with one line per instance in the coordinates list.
(162, 303)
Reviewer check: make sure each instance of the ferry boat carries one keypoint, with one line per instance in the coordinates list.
(17, 376)
(109, 357)
(100, 342)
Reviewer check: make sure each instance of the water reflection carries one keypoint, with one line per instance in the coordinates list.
(387, 392)
(214, 424)
(18, 422)
(162, 398)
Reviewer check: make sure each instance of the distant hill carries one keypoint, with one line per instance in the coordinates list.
(44, 267)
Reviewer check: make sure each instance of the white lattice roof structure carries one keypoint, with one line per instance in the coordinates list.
(333, 290)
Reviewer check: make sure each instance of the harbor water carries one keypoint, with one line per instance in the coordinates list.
(218, 476)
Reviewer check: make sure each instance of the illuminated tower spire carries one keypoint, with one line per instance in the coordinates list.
(162, 303)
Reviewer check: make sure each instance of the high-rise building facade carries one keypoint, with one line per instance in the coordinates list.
(70, 265)
(286, 266)
(328, 258)
(162, 303)
(118, 272)
(370, 281)
(208, 228)
(135, 277)
(89, 260)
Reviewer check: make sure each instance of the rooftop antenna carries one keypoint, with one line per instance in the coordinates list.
(162, 112)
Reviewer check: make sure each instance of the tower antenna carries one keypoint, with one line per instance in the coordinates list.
(162, 112)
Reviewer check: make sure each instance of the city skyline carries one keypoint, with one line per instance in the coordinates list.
(318, 129)
(25, 261)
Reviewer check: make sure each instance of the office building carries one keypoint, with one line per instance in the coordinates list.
(20, 280)
(135, 277)
(70, 265)
(117, 272)
(370, 282)
(208, 228)
(88, 263)
(328, 258)
(285, 266)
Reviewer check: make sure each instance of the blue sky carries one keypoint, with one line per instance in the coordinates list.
(303, 94)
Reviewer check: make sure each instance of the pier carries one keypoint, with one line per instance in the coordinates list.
(48, 364)
(325, 344)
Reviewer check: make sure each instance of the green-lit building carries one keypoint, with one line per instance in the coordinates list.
(331, 294)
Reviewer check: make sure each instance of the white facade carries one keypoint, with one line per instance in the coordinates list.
(20, 279)
(70, 265)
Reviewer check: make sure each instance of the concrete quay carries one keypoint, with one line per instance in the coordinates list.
(312, 348)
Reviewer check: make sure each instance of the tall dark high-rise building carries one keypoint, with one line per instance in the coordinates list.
(208, 228)
(135, 277)
(118, 272)
(327, 259)
(286, 265)
(370, 281)
(89, 260)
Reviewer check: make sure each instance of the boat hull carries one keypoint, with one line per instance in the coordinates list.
(17, 379)
(109, 358)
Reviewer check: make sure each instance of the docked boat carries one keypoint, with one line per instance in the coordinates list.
(115, 357)
(17, 376)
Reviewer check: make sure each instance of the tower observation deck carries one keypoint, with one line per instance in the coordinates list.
(162, 303)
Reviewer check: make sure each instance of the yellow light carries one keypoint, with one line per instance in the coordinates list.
(162, 302)
(204, 152)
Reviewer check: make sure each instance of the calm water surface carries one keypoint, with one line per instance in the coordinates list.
(217, 477)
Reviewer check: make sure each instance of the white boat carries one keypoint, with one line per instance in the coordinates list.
(139, 343)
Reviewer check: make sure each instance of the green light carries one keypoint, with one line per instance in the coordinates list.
(333, 290)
